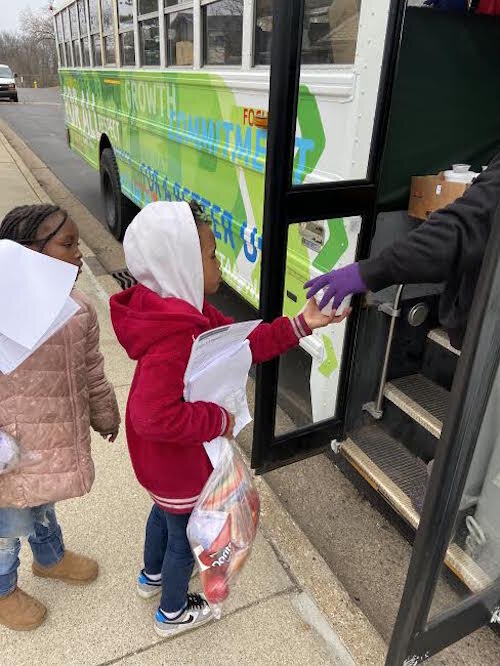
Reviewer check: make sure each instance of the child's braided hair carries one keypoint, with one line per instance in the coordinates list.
(22, 223)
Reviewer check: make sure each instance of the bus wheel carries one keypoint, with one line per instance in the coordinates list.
(118, 209)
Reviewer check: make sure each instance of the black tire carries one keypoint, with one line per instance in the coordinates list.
(15, 98)
(118, 209)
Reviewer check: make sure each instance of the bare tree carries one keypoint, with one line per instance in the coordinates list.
(31, 50)
(38, 26)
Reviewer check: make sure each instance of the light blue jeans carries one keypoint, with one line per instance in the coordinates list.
(40, 525)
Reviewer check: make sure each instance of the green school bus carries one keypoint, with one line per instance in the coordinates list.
(168, 100)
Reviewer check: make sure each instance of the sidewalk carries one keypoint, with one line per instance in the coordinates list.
(288, 607)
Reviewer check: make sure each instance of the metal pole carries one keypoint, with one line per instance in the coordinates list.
(394, 311)
(395, 314)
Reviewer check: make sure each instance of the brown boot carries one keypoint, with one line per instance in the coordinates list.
(21, 612)
(73, 569)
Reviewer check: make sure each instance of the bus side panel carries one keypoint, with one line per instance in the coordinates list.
(186, 135)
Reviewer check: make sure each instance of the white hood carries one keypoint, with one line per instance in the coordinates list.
(162, 251)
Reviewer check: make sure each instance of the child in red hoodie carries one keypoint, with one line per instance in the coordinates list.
(171, 252)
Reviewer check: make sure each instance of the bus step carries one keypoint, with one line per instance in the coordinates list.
(399, 477)
(441, 338)
(424, 401)
(440, 359)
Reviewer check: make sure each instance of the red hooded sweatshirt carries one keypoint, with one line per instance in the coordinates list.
(166, 434)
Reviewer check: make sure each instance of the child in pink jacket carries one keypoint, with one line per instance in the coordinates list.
(48, 405)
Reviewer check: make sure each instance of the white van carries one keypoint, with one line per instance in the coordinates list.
(8, 88)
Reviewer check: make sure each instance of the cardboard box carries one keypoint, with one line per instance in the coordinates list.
(430, 193)
(184, 53)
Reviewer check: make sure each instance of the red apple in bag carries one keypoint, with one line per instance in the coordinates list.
(214, 581)
(217, 558)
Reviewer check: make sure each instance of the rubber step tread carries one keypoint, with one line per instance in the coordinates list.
(422, 399)
(398, 476)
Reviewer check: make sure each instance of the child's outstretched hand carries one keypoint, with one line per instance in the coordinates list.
(316, 319)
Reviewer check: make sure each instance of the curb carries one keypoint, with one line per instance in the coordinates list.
(31, 180)
(326, 604)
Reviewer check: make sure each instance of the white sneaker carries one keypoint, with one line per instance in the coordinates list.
(197, 613)
(147, 588)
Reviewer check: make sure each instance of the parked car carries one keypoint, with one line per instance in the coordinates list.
(8, 88)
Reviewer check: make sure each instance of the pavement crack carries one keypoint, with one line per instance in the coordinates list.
(238, 611)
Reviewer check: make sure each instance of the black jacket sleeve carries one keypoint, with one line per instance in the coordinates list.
(452, 241)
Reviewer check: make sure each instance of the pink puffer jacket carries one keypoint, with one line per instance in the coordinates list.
(48, 405)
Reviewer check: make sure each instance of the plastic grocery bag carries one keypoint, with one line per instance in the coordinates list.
(223, 525)
(11, 456)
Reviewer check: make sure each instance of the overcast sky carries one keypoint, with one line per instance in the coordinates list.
(11, 8)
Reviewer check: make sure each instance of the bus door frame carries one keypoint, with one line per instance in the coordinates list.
(286, 204)
(414, 638)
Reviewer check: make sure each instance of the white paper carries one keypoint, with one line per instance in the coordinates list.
(214, 450)
(224, 382)
(327, 310)
(13, 354)
(33, 291)
(218, 372)
(208, 346)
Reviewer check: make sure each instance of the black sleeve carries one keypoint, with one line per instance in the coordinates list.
(452, 241)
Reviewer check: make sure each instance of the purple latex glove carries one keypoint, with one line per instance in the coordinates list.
(337, 285)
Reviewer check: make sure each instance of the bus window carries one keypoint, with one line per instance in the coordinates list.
(126, 28)
(109, 50)
(60, 39)
(96, 49)
(73, 16)
(67, 38)
(330, 32)
(62, 55)
(125, 15)
(108, 32)
(59, 30)
(93, 16)
(85, 52)
(107, 16)
(223, 32)
(149, 33)
(76, 54)
(148, 6)
(127, 48)
(263, 31)
(179, 34)
(83, 34)
(95, 32)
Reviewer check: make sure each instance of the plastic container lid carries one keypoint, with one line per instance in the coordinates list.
(453, 177)
(461, 168)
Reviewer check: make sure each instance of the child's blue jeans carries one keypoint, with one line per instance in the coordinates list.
(45, 538)
(167, 551)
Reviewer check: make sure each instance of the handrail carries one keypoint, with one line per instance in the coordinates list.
(394, 311)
